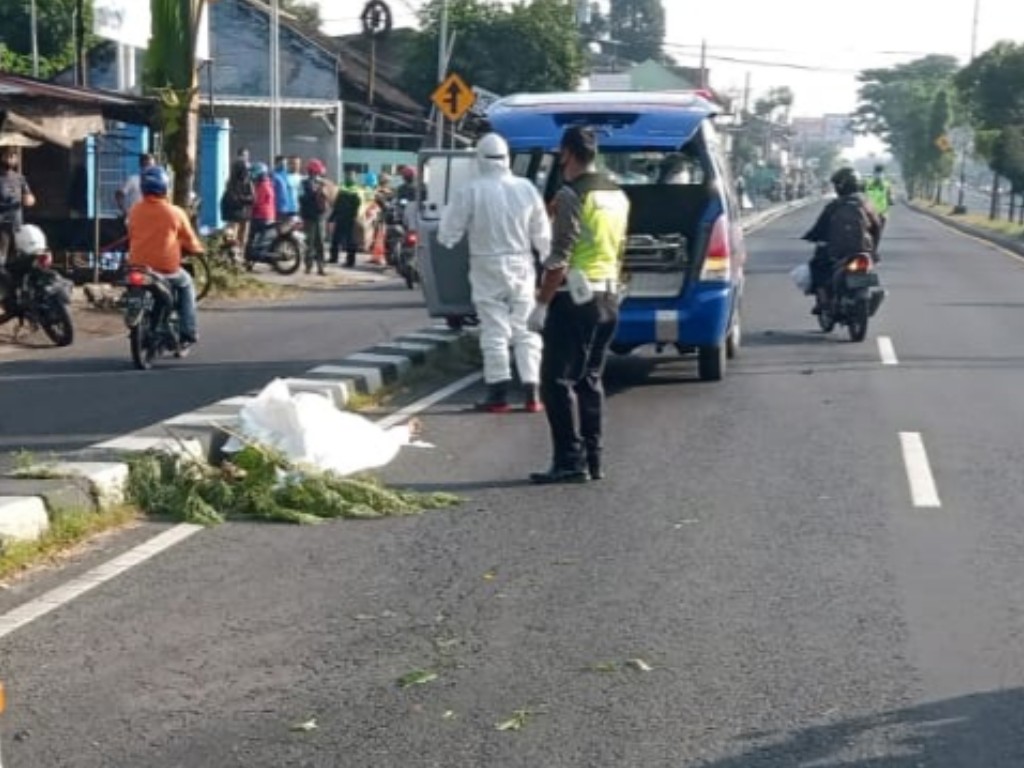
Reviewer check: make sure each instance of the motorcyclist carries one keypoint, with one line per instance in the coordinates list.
(836, 247)
(879, 193)
(159, 233)
(15, 196)
(504, 217)
(29, 243)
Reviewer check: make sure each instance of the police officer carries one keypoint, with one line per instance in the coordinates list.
(578, 308)
(15, 196)
(879, 193)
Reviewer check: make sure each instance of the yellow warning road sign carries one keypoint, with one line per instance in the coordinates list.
(453, 97)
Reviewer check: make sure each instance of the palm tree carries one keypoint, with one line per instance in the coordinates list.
(170, 72)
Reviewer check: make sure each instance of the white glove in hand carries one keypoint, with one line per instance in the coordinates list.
(539, 315)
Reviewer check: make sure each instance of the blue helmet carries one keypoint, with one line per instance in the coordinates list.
(154, 181)
(370, 179)
(259, 171)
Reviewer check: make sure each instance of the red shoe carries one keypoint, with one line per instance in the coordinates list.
(532, 402)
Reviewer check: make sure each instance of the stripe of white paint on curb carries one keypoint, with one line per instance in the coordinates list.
(887, 351)
(919, 471)
(64, 594)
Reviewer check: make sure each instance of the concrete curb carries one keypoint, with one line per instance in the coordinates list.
(1015, 245)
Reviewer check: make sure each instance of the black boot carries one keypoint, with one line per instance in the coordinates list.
(560, 476)
(594, 464)
(496, 400)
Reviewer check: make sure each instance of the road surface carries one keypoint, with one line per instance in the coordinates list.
(769, 546)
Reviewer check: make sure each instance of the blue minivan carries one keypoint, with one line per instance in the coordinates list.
(683, 268)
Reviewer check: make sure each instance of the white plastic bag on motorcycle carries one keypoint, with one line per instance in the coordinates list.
(801, 276)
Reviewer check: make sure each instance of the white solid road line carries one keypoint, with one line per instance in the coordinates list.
(432, 399)
(887, 351)
(64, 594)
(919, 471)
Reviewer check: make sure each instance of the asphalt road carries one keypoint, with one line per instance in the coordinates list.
(66, 399)
(756, 544)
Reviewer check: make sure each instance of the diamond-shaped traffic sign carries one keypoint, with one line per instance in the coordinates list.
(453, 97)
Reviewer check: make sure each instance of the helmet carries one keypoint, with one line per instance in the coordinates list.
(408, 174)
(316, 168)
(30, 240)
(370, 179)
(879, 168)
(846, 181)
(154, 181)
(259, 171)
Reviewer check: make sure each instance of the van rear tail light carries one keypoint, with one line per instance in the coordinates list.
(717, 261)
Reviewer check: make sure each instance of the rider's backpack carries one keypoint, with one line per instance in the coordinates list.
(848, 229)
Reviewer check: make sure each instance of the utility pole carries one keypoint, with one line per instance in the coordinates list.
(703, 64)
(275, 79)
(79, 25)
(961, 206)
(442, 67)
(35, 39)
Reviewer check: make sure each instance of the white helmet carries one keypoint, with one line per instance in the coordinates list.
(492, 151)
(30, 240)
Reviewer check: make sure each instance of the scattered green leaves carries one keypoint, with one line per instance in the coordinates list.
(417, 677)
(517, 722)
(261, 484)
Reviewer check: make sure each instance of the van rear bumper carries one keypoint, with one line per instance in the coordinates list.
(699, 318)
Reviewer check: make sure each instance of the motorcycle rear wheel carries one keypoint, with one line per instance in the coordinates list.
(858, 325)
(286, 256)
(55, 320)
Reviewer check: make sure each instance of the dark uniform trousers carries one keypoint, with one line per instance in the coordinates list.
(576, 342)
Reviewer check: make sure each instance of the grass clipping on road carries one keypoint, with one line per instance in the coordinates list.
(261, 484)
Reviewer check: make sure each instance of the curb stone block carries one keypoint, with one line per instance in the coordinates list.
(367, 380)
(107, 479)
(53, 492)
(335, 391)
(23, 518)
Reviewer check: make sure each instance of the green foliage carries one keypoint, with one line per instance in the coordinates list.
(56, 34)
(640, 26)
(908, 106)
(1008, 156)
(531, 46)
(261, 484)
(990, 87)
(307, 14)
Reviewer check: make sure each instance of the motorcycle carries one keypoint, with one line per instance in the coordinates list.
(282, 246)
(36, 295)
(151, 316)
(400, 243)
(854, 296)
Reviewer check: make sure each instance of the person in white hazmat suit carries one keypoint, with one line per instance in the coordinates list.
(503, 216)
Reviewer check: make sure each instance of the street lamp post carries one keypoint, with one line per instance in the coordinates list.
(961, 205)
(442, 67)
(35, 39)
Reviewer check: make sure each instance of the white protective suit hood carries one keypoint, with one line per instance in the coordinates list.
(492, 155)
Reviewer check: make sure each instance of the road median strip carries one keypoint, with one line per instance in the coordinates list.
(103, 479)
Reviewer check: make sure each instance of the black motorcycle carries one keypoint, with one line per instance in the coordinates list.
(34, 294)
(853, 296)
(151, 316)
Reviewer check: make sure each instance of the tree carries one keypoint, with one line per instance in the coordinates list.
(531, 46)
(306, 14)
(990, 87)
(640, 26)
(940, 155)
(170, 72)
(56, 35)
(898, 105)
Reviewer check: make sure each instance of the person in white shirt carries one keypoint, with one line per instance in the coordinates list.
(131, 192)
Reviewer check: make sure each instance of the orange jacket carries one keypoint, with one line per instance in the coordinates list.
(158, 234)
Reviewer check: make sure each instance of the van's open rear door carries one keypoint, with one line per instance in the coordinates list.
(444, 271)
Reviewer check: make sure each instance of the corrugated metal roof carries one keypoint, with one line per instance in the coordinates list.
(40, 96)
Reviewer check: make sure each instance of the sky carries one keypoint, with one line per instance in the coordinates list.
(826, 42)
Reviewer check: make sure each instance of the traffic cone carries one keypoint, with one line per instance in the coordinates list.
(377, 255)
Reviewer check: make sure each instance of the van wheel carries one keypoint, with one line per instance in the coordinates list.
(711, 362)
(735, 339)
